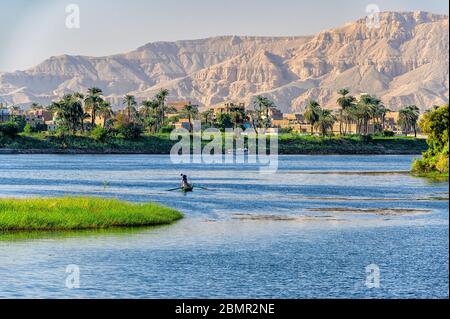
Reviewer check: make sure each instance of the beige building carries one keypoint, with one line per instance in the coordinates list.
(35, 117)
(229, 107)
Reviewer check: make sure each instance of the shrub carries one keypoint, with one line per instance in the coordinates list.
(28, 129)
(419, 166)
(388, 134)
(442, 164)
(34, 129)
(288, 130)
(99, 134)
(130, 131)
(365, 138)
(9, 129)
(167, 129)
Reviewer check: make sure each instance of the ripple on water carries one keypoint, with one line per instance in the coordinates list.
(308, 231)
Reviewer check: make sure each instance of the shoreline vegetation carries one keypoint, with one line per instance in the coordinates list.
(80, 213)
(435, 162)
(161, 144)
(87, 124)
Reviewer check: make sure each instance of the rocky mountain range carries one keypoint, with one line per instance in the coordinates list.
(404, 60)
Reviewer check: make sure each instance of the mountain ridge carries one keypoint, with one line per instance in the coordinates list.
(404, 61)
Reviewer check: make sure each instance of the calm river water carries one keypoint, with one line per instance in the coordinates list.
(308, 231)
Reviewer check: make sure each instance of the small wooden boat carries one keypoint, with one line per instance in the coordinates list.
(187, 189)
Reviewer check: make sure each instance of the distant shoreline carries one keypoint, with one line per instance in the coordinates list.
(123, 152)
(162, 145)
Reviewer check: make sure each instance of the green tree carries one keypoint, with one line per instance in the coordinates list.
(191, 112)
(312, 114)
(207, 118)
(161, 97)
(106, 112)
(149, 112)
(325, 121)
(366, 111)
(238, 118)
(223, 121)
(130, 107)
(92, 102)
(69, 112)
(260, 114)
(345, 102)
(436, 124)
(408, 118)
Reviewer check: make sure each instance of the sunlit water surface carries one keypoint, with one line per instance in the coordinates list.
(308, 231)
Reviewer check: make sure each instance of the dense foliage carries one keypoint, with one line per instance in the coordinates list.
(9, 129)
(435, 124)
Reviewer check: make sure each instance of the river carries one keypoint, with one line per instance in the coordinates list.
(321, 227)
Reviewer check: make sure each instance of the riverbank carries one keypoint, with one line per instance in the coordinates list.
(161, 144)
(80, 213)
(432, 175)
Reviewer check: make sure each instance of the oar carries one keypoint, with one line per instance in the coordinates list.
(174, 189)
(206, 189)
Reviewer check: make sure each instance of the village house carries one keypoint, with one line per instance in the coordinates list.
(228, 108)
(36, 117)
(178, 121)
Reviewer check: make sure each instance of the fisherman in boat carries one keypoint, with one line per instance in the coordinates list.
(184, 182)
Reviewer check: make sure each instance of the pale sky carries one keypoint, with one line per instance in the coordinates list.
(33, 30)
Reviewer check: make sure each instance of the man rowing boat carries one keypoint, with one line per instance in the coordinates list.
(184, 182)
(185, 186)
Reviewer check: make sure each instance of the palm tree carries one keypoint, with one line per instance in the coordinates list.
(408, 117)
(415, 114)
(149, 111)
(130, 102)
(366, 111)
(238, 117)
(260, 115)
(380, 116)
(69, 111)
(161, 97)
(207, 117)
(345, 102)
(106, 112)
(191, 112)
(92, 102)
(325, 122)
(83, 118)
(312, 114)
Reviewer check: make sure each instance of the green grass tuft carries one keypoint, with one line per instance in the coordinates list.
(77, 213)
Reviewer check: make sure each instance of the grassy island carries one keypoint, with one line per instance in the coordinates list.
(77, 213)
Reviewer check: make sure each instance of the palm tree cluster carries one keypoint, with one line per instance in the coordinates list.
(260, 114)
(152, 114)
(361, 112)
(74, 109)
(408, 118)
(319, 118)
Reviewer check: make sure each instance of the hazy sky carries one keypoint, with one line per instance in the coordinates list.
(33, 30)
